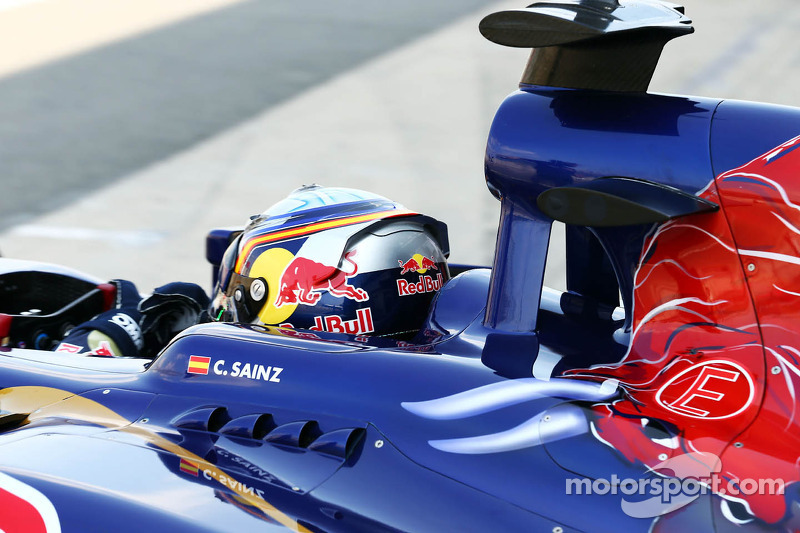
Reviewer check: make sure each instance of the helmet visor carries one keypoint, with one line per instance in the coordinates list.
(227, 264)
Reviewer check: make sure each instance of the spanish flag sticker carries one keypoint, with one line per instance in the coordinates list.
(188, 467)
(198, 364)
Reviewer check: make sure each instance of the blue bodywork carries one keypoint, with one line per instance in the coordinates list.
(389, 476)
(325, 432)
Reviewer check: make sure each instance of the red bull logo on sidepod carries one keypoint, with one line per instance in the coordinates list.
(304, 280)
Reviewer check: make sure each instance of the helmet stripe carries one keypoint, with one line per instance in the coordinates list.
(300, 231)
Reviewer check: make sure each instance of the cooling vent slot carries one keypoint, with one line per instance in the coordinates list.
(210, 419)
(262, 427)
(299, 434)
(339, 443)
(249, 426)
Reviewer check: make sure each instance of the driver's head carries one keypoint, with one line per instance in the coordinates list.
(334, 259)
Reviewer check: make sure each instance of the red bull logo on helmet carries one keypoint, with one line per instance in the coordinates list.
(425, 284)
(417, 263)
(304, 280)
(336, 324)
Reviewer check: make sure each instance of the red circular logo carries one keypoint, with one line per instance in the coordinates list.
(709, 390)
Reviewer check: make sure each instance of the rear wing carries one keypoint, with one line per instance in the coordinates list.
(590, 44)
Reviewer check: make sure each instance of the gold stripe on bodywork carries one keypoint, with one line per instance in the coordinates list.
(45, 402)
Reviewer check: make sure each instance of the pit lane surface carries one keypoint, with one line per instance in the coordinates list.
(126, 138)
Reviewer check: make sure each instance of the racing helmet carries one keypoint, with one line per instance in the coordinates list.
(333, 259)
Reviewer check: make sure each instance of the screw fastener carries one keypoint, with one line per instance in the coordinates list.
(258, 290)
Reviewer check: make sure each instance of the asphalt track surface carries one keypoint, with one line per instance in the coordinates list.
(116, 159)
(80, 123)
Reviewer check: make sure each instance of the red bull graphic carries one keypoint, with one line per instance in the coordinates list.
(425, 284)
(304, 280)
(336, 324)
(412, 265)
(709, 311)
(417, 263)
(714, 343)
(26, 509)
